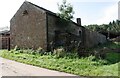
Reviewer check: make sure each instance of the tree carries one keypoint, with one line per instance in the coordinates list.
(108, 29)
(65, 10)
(111, 29)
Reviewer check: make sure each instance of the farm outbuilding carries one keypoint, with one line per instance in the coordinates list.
(33, 27)
(5, 39)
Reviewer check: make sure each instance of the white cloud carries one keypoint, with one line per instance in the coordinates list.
(109, 14)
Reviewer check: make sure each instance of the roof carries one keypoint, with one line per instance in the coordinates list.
(5, 32)
(42, 8)
(52, 13)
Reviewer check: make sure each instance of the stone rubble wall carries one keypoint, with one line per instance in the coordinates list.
(28, 28)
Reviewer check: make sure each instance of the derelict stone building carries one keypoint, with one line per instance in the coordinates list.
(5, 39)
(33, 27)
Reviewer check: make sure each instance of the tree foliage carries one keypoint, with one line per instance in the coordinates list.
(113, 27)
(65, 10)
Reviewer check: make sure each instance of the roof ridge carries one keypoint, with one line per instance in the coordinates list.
(48, 11)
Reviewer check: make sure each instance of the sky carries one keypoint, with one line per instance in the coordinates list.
(90, 11)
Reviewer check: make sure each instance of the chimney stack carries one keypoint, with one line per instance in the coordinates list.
(79, 21)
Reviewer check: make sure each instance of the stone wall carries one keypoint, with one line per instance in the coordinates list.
(69, 32)
(34, 27)
(82, 36)
(28, 27)
(93, 38)
(4, 41)
(51, 24)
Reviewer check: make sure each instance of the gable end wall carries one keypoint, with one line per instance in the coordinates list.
(29, 30)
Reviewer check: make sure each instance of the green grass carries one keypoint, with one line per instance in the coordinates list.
(70, 62)
(109, 45)
(83, 66)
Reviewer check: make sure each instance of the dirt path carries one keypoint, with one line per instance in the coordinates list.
(12, 68)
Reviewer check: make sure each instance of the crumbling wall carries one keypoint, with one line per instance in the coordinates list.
(69, 33)
(4, 41)
(75, 33)
(93, 38)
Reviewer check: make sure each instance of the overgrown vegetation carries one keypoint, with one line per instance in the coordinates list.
(68, 62)
(110, 49)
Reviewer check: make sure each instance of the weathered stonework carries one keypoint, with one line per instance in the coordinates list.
(55, 26)
(33, 27)
(93, 38)
(5, 40)
(28, 30)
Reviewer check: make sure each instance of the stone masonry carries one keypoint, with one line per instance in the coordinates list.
(33, 27)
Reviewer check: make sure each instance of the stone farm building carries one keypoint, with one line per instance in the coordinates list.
(5, 39)
(33, 27)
